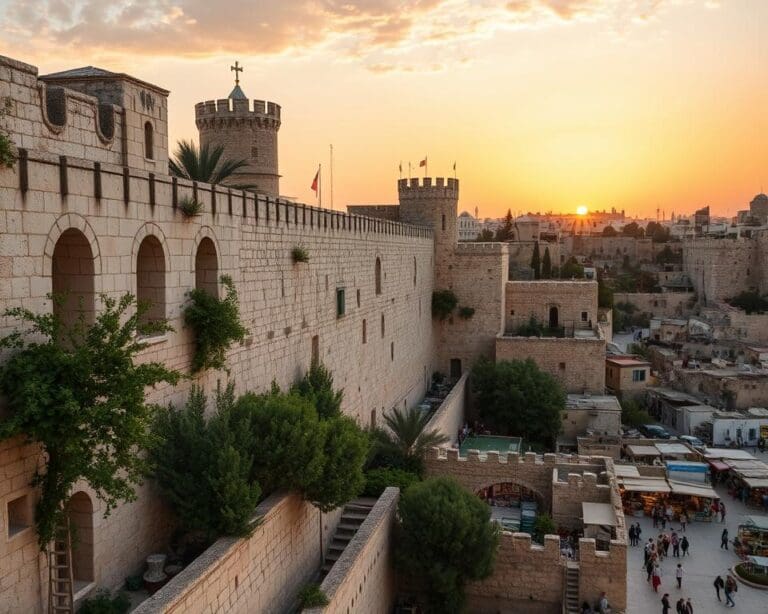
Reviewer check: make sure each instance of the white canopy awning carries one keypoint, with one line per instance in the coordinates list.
(626, 471)
(599, 513)
(645, 484)
(696, 490)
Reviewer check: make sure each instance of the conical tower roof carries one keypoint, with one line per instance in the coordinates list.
(237, 94)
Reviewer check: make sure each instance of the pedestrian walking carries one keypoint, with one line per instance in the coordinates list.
(665, 604)
(683, 521)
(649, 568)
(666, 542)
(647, 551)
(724, 539)
(656, 578)
(670, 514)
(680, 606)
(719, 584)
(684, 545)
(675, 545)
(688, 606)
(631, 535)
(638, 532)
(679, 575)
(730, 589)
(722, 511)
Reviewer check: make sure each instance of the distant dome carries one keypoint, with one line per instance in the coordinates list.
(760, 198)
(464, 214)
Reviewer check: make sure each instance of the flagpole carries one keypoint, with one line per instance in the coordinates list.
(409, 172)
(426, 166)
(320, 184)
(331, 177)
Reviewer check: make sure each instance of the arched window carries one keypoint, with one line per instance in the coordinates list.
(149, 151)
(73, 278)
(80, 511)
(150, 279)
(377, 274)
(207, 267)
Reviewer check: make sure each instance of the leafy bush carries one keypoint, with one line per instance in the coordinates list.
(515, 397)
(317, 386)
(216, 325)
(443, 303)
(75, 390)
(104, 603)
(404, 443)
(299, 254)
(465, 313)
(444, 538)
(7, 147)
(190, 207)
(312, 596)
(204, 466)
(544, 525)
(376, 480)
(750, 301)
(634, 414)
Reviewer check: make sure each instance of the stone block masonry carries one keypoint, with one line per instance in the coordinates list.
(450, 416)
(362, 580)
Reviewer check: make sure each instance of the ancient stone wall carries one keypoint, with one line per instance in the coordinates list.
(574, 302)
(603, 570)
(579, 364)
(722, 268)
(527, 578)
(476, 272)
(570, 492)
(363, 579)
(260, 573)
(451, 415)
(382, 212)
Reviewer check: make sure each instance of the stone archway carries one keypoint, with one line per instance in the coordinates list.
(80, 511)
(73, 278)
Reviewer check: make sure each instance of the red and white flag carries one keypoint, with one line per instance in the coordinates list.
(423, 162)
(315, 181)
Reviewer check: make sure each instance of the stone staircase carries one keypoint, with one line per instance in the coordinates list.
(571, 605)
(353, 515)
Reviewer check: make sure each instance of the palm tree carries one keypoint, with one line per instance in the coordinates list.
(406, 440)
(205, 164)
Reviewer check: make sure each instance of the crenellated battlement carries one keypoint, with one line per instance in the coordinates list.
(417, 187)
(213, 113)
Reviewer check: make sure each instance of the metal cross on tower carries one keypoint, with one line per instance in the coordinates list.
(238, 69)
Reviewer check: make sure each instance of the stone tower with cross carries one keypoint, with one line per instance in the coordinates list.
(248, 131)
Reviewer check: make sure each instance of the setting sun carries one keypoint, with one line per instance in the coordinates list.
(581, 210)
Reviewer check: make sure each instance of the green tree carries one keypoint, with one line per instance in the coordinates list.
(634, 413)
(609, 231)
(216, 325)
(443, 303)
(317, 386)
(287, 440)
(633, 230)
(376, 480)
(515, 397)
(206, 165)
(204, 467)
(76, 391)
(546, 265)
(669, 256)
(485, 236)
(536, 261)
(544, 525)
(405, 442)
(505, 231)
(604, 292)
(345, 450)
(657, 232)
(444, 539)
(571, 269)
(750, 301)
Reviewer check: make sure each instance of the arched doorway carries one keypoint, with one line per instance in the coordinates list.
(554, 317)
(513, 505)
(72, 275)
(80, 511)
(207, 267)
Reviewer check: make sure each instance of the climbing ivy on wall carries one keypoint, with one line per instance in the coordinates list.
(76, 391)
(7, 148)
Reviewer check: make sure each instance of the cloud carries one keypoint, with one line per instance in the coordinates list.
(381, 34)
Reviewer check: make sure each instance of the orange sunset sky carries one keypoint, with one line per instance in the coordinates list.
(543, 104)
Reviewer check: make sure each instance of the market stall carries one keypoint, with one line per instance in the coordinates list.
(687, 471)
(693, 499)
(647, 455)
(753, 536)
(640, 495)
(599, 523)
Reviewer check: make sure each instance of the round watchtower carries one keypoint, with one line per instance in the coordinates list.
(247, 132)
(434, 205)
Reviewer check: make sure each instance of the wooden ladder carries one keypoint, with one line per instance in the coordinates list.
(60, 581)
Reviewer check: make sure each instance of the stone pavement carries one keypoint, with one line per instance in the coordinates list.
(705, 561)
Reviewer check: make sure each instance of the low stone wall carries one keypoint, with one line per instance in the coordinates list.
(603, 570)
(567, 497)
(526, 578)
(658, 304)
(260, 573)
(578, 364)
(363, 578)
(450, 416)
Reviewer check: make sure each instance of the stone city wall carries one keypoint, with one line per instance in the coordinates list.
(260, 573)
(722, 268)
(578, 364)
(380, 351)
(527, 577)
(568, 495)
(451, 415)
(658, 304)
(476, 272)
(603, 570)
(363, 579)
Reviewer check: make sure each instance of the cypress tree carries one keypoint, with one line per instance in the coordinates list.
(536, 261)
(546, 265)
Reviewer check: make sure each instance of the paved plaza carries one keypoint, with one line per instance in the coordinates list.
(705, 561)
